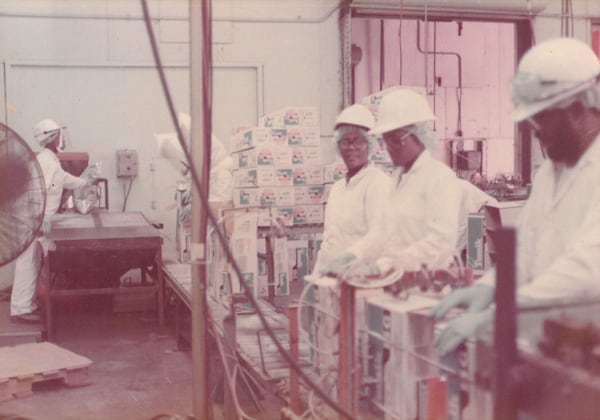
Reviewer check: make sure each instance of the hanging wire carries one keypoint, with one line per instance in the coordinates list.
(213, 221)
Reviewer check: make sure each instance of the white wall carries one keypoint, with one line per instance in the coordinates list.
(88, 64)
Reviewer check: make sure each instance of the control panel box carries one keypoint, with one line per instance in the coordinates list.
(127, 163)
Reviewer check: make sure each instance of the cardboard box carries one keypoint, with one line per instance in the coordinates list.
(314, 213)
(291, 116)
(315, 194)
(246, 197)
(334, 171)
(300, 194)
(396, 334)
(276, 196)
(269, 216)
(248, 138)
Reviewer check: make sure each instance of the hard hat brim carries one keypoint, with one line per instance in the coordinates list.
(384, 128)
(525, 111)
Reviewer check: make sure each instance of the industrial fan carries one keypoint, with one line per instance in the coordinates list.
(22, 195)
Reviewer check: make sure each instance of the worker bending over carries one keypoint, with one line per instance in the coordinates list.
(558, 234)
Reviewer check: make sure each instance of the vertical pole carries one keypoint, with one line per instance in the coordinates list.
(347, 362)
(200, 62)
(295, 354)
(505, 326)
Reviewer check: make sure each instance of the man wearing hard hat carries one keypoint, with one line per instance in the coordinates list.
(555, 90)
(355, 201)
(419, 221)
(50, 136)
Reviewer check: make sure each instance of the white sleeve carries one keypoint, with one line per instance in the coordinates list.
(71, 182)
(439, 241)
(376, 197)
(575, 273)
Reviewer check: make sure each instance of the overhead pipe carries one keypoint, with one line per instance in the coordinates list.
(458, 132)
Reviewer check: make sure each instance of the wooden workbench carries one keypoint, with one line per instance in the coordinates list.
(92, 251)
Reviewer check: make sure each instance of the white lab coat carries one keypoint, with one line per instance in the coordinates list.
(22, 298)
(419, 223)
(558, 236)
(353, 207)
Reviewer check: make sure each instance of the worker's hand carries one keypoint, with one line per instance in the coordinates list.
(362, 269)
(460, 329)
(473, 299)
(338, 265)
(46, 225)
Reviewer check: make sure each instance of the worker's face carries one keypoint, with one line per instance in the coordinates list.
(354, 150)
(555, 132)
(398, 144)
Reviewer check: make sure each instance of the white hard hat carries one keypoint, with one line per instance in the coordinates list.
(551, 72)
(45, 130)
(356, 114)
(401, 108)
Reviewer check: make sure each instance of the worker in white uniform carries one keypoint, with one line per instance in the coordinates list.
(558, 233)
(355, 201)
(50, 136)
(418, 226)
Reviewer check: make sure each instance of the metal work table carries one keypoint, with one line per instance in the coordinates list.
(93, 250)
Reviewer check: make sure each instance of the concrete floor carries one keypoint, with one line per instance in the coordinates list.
(137, 370)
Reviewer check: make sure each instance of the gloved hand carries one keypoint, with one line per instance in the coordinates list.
(338, 265)
(474, 299)
(461, 328)
(46, 225)
(362, 269)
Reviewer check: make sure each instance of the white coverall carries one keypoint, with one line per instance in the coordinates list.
(22, 300)
(419, 223)
(558, 232)
(353, 208)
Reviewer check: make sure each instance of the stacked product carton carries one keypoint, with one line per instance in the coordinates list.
(400, 344)
(278, 167)
(278, 171)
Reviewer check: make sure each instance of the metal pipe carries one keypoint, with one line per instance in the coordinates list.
(505, 326)
(200, 79)
(459, 88)
(298, 19)
(381, 54)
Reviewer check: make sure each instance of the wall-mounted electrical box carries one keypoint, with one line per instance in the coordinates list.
(127, 163)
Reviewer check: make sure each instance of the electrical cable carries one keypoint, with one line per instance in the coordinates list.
(126, 191)
(211, 217)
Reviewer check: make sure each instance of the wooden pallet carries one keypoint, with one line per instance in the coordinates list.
(23, 365)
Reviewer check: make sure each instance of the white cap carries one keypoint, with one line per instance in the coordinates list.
(402, 108)
(551, 72)
(44, 131)
(358, 115)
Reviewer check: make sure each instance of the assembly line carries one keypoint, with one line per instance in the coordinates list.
(391, 230)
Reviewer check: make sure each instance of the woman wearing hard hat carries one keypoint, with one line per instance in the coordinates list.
(558, 234)
(419, 223)
(355, 201)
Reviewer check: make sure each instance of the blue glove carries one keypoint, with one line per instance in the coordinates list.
(474, 299)
(461, 328)
(46, 225)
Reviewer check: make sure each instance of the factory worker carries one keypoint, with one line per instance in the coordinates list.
(51, 137)
(419, 220)
(355, 201)
(558, 233)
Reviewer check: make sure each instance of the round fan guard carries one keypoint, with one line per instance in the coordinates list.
(22, 195)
